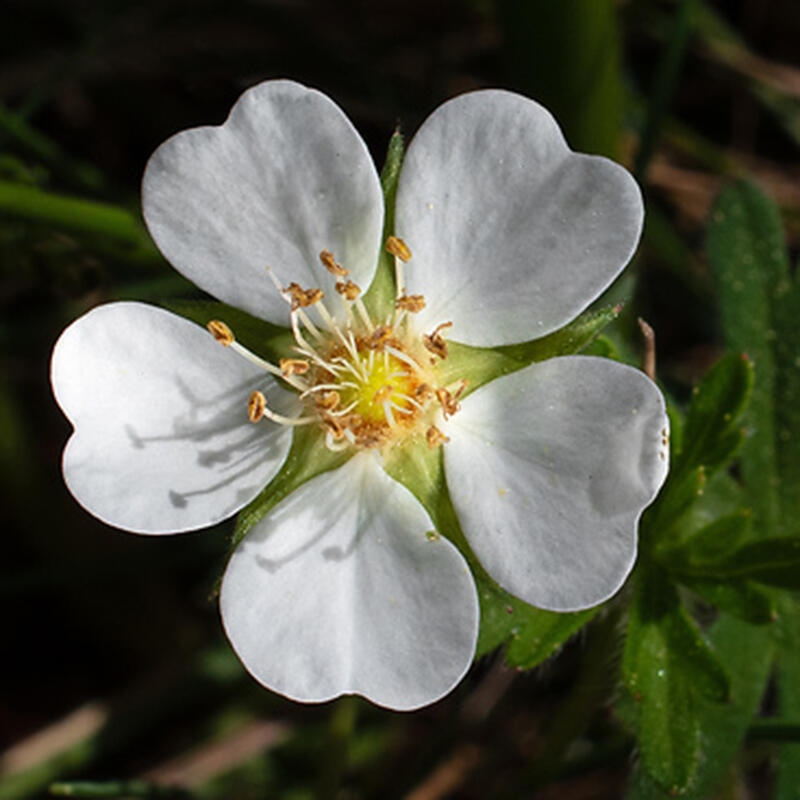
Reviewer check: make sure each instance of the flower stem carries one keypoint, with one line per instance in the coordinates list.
(341, 725)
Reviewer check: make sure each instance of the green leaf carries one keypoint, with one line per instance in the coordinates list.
(711, 432)
(742, 599)
(80, 216)
(706, 441)
(760, 305)
(774, 561)
(480, 365)
(709, 544)
(667, 666)
(788, 680)
(747, 652)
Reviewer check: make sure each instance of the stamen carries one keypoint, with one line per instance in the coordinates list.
(257, 409)
(398, 248)
(434, 437)
(349, 290)
(379, 337)
(399, 354)
(310, 326)
(328, 400)
(224, 335)
(302, 298)
(362, 311)
(412, 303)
(255, 406)
(435, 343)
(221, 332)
(329, 262)
(293, 366)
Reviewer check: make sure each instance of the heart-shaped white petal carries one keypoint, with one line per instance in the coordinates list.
(162, 441)
(342, 589)
(550, 468)
(512, 234)
(284, 178)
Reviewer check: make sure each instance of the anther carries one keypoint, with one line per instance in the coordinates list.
(410, 302)
(327, 401)
(293, 366)
(302, 298)
(256, 406)
(379, 337)
(329, 262)
(449, 400)
(397, 247)
(434, 437)
(348, 289)
(221, 332)
(435, 343)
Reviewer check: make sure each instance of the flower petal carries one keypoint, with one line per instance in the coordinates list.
(339, 590)
(284, 178)
(550, 468)
(162, 442)
(512, 233)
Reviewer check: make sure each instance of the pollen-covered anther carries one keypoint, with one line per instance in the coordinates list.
(302, 298)
(293, 366)
(449, 400)
(221, 332)
(423, 392)
(327, 401)
(256, 406)
(410, 302)
(329, 262)
(379, 337)
(434, 437)
(397, 247)
(348, 289)
(434, 342)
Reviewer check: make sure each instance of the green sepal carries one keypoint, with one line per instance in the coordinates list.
(667, 665)
(480, 365)
(271, 342)
(380, 296)
(308, 457)
(532, 634)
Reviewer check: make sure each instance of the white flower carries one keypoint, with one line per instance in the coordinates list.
(503, 235)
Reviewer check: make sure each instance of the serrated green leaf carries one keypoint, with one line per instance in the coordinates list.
(760, 305)
(744, 600)
(747, 651)
(667, 666)
(709, 544)
(711, 433)
(479, 365)
(774, 561)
